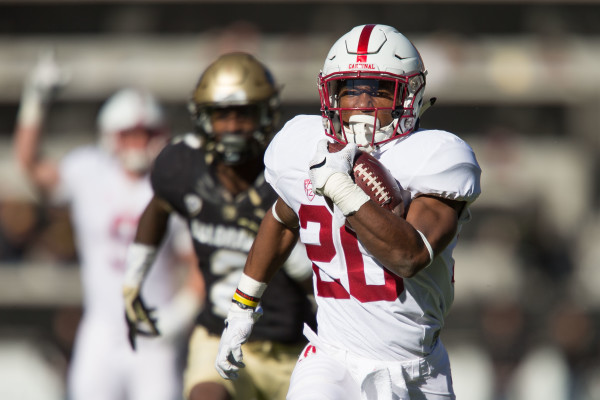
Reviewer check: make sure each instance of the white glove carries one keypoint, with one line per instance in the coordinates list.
(238, 327)
(41, 85)
(324, 164)
(47, 77)
(330, 174)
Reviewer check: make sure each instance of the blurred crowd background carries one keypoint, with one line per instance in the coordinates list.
(519, 80)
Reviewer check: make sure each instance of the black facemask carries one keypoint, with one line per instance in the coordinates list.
(234, 149)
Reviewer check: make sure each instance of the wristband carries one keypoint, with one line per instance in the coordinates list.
(139, 260)
(31, 110)
(428, 246)
(248, 293)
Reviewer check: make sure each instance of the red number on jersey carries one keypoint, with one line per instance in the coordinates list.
(325, 252)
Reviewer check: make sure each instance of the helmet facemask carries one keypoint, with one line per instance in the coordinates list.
(379, 57)
(233, 147)
(392, 112)
(240, 85)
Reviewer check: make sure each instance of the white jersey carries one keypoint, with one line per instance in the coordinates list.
(105, 208)
(362, 307)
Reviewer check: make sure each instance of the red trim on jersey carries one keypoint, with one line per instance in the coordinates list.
(363, 43)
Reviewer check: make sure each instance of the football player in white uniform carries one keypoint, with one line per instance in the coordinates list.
(107, 187)
(384, 286)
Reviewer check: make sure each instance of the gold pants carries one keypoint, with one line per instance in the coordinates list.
(269, 366)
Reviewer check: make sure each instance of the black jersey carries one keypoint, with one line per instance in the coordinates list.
(223, 228)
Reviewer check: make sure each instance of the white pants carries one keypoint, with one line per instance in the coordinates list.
(324, 372)
(104, 367)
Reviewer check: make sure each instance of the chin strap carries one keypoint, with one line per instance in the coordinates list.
(362, 130)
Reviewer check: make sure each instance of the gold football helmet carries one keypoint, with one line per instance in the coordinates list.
(236, 81)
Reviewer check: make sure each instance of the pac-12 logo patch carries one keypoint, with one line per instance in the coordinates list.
(193, 203)
(309, 190)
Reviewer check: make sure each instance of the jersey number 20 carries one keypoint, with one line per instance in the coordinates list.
(325, 252)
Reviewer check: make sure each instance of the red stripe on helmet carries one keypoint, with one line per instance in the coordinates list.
(363, 43)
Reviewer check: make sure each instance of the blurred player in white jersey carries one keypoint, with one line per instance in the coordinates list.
(384, 286)
(107, 187)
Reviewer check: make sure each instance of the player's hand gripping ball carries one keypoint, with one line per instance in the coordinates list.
(375, 180)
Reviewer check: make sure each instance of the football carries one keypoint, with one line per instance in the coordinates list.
(375, 180)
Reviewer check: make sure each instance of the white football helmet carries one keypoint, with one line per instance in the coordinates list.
(126, 110)
(234, 80)
(380, 53)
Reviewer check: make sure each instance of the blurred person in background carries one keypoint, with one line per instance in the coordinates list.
(215, 179)
(107, 187)
(561, 361)
(384, 285)
(506, 332)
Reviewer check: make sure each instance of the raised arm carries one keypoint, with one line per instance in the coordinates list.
(40, 87)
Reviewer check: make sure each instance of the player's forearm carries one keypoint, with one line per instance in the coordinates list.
(272, 246)
(30, 118)
(42, 173)
(390, 239)
(26, 146)
(407, 246)
(153, 223)
(39, 88)
(27, 132)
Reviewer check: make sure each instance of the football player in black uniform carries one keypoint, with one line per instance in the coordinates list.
(215, 180)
